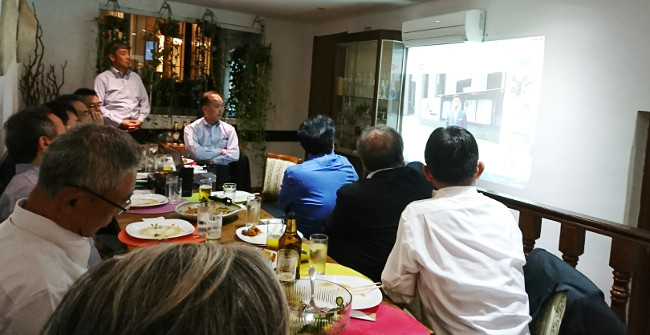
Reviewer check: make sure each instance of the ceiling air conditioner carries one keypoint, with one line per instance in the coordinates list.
(448, 28)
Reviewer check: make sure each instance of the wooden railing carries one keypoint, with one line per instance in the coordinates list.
(627, 242)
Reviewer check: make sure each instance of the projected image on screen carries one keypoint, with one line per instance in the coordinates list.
(490, 88)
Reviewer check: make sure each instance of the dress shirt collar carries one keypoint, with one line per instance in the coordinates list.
(22, 167)
(207, 125)
(376, 171)
(74, 245)
(309, 157)
(452, 191)
(119, 74)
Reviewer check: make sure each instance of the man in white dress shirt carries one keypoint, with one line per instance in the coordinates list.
(458, 258)
(86, 177)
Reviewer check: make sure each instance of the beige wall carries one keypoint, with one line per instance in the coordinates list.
(595, 81)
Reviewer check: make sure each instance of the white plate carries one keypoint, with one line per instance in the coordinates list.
(147, 200)
(259, 239)
(135, 229)
(274, 263)
(240, 196)
(359, 301)
(182, 208)
(187, 161)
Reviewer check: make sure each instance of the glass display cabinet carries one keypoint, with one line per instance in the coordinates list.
(368, 84)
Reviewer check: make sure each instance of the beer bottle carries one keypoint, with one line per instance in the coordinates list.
(291, 240)
(175, 133)
(181, 138)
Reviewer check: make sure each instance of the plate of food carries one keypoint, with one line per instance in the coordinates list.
(367, 299)
(272, 255)
(148, 200)
(240, 196)
(187, 210)
(188, 161)
(159, 229)
(254, 235)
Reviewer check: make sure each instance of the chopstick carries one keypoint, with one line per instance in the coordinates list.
(365, 288)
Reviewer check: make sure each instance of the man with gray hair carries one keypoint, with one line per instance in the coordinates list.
(363, 225)
(86, 178)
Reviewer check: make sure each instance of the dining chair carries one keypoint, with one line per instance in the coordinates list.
(549, 320)
(274, 167)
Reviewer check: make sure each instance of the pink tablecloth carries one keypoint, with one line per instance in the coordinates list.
(390, 321)
(166, 208)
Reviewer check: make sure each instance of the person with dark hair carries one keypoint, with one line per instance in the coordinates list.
(43, 244)
(124, 99)
(28, 134)
(363, 224)
(458, 258)
(64, 111)
(91, 100)
(309, 189)
(176, 289)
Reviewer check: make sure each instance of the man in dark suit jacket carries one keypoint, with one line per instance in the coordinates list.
(363, 225)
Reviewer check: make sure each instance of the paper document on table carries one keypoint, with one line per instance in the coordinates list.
(363, 316)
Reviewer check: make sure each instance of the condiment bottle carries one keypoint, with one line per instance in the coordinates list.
(291, 240)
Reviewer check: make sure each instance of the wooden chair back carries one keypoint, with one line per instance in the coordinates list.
(274, 167)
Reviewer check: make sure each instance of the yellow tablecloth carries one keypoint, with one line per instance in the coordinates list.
(331, 269)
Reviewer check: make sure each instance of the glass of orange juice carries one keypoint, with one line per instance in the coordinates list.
(274, 230)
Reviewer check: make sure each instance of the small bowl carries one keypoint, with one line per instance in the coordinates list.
(333, 317)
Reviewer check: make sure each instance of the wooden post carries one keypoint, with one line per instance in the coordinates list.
(623, 259)
(531, 228)
(572, 243)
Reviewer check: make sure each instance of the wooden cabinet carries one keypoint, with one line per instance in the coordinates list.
(357, 81)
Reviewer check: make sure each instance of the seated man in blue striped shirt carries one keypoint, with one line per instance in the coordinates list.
(210, 139)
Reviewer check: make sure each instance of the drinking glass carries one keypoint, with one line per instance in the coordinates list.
(274, 230)
(253, 206)
(173, 189)
(229, 191)
(213, 227)
(318, 252)
(287, 264)
(203, 213)
(205, 188)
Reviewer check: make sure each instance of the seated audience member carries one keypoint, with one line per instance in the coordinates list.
(458, 258)
(64, 111)
(211, 140)
(86, 178)
(363, 225)
(586, 311)
(81, 110)
(309, 189)
(91, 100)
(28, 134)
(176, 289)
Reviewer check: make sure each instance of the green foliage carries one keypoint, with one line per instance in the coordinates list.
(111, 28)
(250, 90)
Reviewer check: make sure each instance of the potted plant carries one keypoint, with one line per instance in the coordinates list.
(250, 95)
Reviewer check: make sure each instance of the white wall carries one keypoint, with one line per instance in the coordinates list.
(596, 78)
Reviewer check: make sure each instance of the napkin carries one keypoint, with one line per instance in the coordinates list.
(389, 320)
(363, 316)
